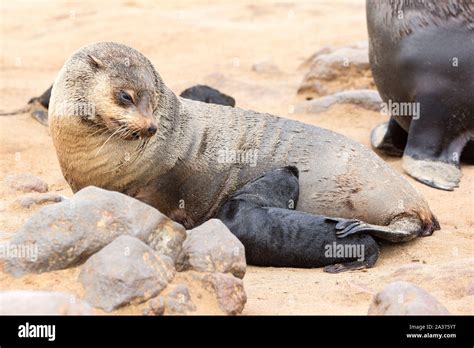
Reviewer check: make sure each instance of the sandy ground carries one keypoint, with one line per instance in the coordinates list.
(217, 43)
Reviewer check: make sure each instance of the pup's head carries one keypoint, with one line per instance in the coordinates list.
(276, 188)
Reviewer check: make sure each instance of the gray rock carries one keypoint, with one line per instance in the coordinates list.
(403, 298)
(340, 63)
(26, 182)
(211, 247)
(125, 271)
(168, 239)
(26, 302)
(39, 199)
(366, 98)
(67, 233)
(179, 301)
(156, 306)
(228, 290)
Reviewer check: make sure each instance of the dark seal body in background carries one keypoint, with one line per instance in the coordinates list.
(274, 235)
(423, 52)
(207, 94)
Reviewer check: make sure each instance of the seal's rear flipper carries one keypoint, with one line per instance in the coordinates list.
(39, 112)
(37, 107)
(402, 229)
(344, 267)
(389, 138)
(348, 227)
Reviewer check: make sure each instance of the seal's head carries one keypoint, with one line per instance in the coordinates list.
(111, 86)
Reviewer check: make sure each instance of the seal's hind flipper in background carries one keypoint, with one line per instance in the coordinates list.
(39, 112)
(37, 107)
(389, 138)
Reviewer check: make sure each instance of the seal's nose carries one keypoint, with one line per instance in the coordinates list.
(151, 130)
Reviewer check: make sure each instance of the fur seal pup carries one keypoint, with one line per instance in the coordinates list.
(421, 56)
(258, 215)
(107, 95)
(207, 94)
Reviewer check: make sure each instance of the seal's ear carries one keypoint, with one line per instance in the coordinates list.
(95, 62)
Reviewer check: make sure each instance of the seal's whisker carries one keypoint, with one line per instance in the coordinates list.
(99, 131)
(105, 142)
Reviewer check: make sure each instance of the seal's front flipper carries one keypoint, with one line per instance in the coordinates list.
(389, 138)
(436, 140)
(440, 175)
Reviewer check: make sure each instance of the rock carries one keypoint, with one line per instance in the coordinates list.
(310, 61)
(26, 182)
(39, 199)
(168, 239)
(67, 233)
(179, 301)
(125, 271)
(229, 291)
(26, 302)
(368, 99)
(156, 306)
(211, 247)
(403, 298)
(266, 68)
(348, 66)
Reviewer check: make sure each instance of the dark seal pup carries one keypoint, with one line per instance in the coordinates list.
(422, 57)
(116, 125)
(207, 94)
(273, 235)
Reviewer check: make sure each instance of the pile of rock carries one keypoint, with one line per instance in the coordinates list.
(334, 69)
(130, 253)
(338, 75)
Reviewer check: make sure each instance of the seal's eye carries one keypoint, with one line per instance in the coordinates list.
(125, 98)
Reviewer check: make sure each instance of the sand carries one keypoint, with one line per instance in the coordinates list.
(216, 43)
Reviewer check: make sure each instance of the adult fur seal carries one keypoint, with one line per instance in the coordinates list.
(421, 55)
(274, 235)
(106, 97)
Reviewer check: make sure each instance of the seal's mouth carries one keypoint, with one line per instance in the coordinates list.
(131, 130)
